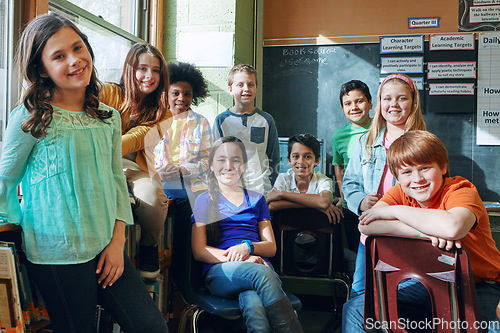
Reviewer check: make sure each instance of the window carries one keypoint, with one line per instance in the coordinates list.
(109, 40)
(117, 12)
(4, 47)
(112, 26)
(10, 22)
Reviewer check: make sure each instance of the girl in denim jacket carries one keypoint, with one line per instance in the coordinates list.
(367, 176)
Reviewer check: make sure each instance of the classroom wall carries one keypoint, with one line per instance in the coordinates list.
(292, 22)
(302, 94)
(192, 16)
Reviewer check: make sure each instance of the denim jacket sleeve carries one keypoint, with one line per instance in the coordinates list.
(352, 184)
(364, 173)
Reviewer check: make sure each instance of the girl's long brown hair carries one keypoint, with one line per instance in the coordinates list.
(213, 216)
(40, 90)
(153, 107)
(415, 120)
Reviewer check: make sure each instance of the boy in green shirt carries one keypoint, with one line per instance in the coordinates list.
(356, 102)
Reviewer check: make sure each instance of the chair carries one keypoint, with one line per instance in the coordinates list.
(446, 275)
(310, 253)
(295, 256)
(189, 281)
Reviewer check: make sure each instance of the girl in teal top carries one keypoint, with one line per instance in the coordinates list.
(65, 149)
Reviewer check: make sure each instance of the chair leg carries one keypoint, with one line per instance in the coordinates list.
(185, 313)
(195, 317)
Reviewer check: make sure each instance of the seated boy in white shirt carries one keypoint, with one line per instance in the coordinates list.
(301, 186)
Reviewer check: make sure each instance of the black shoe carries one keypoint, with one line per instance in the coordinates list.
(149, 265)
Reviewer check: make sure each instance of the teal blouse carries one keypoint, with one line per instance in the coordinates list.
(72, 181)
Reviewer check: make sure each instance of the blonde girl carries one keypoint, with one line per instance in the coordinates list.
(367, 176)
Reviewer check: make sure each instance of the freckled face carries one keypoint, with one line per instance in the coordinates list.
(396, 102)
(421, 182)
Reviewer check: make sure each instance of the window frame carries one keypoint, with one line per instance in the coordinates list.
(15, 19)
(19, 13)
(72, 9)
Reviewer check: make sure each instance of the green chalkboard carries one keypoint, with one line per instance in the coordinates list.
(301, 87)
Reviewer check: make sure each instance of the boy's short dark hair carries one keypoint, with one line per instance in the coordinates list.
(355, 85)
(307, 140)
(240, 68)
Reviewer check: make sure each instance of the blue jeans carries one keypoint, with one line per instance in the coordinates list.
(358, 280)
(71, 293)
(414, 296)
(488, 296)
(256, 287)
(350, 222)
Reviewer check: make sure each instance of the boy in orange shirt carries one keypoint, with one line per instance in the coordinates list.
(427, 202)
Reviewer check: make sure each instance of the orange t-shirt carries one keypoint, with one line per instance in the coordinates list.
(459, 192)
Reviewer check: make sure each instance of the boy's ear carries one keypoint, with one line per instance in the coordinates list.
(444, 169)
(317, 161)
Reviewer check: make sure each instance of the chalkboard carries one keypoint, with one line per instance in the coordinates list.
(301, 87)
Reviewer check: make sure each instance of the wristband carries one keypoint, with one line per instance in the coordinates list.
(249, 244)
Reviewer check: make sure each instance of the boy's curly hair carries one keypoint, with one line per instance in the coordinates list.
(186, 72)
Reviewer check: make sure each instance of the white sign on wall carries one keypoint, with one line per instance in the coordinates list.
(402, 44)
(478, 14)
(402, 65)
(206, 49)
(485, 2)
(451, 70)
(451, 88)
(451, 42)
(488, 89)
(423, 22)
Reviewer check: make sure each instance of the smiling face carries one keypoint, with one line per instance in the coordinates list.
(67, 62)
(243, 88)
(356, 107)
(422, 182)
(396, 102)
(302, 160)
(180, 96)
(147, 74)
(228, 164)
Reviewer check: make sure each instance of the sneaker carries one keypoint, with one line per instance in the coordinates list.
(149, 265)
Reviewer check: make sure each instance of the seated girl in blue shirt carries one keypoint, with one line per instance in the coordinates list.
(232, 235)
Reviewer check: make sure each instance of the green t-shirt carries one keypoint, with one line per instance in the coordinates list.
(344, 140)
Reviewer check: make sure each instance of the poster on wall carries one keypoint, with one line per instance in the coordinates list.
(488, 89)
(452, 42)
(401, 65)
(451, 70)
(478, 15)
